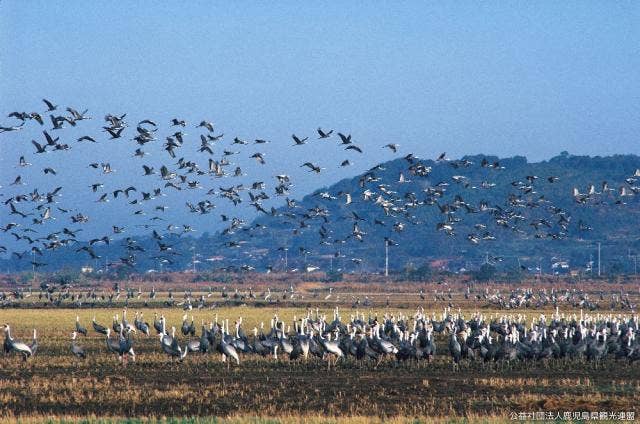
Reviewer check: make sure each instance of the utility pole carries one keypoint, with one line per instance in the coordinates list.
(194, 259)
(33, 266)
(286, 259)
(598, 259)
(386, 258)
(635, 261)
(539, 267)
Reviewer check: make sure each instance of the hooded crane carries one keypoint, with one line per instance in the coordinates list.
(99, 328)
(157, 323)
(141, 324)
(79, 328)
(78, 351)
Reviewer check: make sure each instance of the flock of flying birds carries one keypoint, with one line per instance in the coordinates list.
(524, 212)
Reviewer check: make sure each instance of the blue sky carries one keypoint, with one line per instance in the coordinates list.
(504, 78)
(493, 77)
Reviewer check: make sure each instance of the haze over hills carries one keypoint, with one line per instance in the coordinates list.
(468, 211)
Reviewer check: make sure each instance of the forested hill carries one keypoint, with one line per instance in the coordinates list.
(513, 211)
(464, 212)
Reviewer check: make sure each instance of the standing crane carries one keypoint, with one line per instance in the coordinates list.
(76, 350)
(79, 328)
(16, 346)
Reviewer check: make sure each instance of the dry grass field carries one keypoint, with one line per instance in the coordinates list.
(55, 385)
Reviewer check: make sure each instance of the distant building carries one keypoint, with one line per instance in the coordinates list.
(560, 267)
(86, 270)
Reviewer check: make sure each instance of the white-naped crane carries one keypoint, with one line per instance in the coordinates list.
(240, 341)
(169, 343)
(455, 350)
(125, 347)
(301, 342)
(283, 340)
(381, 346)
(34, 343)
(16, 346)
(225, 347)
(170, 346)
(201, 345)
(331, 348)
(126, 325)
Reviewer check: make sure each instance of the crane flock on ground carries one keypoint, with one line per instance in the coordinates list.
(65, 296)
(397, 338)
(44, 220)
